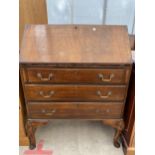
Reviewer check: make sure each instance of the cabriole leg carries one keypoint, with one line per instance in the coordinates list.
(31, 127)
(118, 124)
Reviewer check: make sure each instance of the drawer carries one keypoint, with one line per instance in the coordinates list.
(47, 75)
(75, 92)
(94, 110)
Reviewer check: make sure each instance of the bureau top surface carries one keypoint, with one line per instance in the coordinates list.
(75, 44)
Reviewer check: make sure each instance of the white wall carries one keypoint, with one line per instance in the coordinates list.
(115, 12)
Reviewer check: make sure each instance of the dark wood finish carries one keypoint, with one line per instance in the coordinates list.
(75, 72)
(75, 44)
(80, 110)
(129, 116)
(31, 129)
(72, 75)
(129, 149)
(23, 139)
(33, 12)
(75, 92)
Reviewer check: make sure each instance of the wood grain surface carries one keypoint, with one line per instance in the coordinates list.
(75, 44)
(81, 110)
(75, 71)
(31, 12)
(75, 92)
(66, 75)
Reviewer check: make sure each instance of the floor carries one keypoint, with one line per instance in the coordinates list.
(75, 137)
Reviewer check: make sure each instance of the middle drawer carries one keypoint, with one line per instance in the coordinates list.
(75, 92)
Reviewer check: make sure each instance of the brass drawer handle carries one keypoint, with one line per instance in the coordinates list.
(100, 111)
(101, 76)
(39, 75)
(49, 113)
(104, 96)
(46, 96)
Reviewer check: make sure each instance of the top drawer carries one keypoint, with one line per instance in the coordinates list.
(65, 75)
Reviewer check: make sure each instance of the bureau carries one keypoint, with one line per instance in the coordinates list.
(75, 72)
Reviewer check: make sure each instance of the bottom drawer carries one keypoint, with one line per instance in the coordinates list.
(92, 110)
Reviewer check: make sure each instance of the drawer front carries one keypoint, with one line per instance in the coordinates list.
(75, 92)
(47, 75)
(94, 110)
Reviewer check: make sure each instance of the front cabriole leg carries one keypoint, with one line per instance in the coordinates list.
(31, 127)
(118, 124)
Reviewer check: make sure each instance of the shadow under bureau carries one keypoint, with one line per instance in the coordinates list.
(75, 72)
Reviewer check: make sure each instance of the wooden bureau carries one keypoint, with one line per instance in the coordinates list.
(75, 72)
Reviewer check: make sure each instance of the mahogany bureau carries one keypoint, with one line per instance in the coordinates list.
(75, 72)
